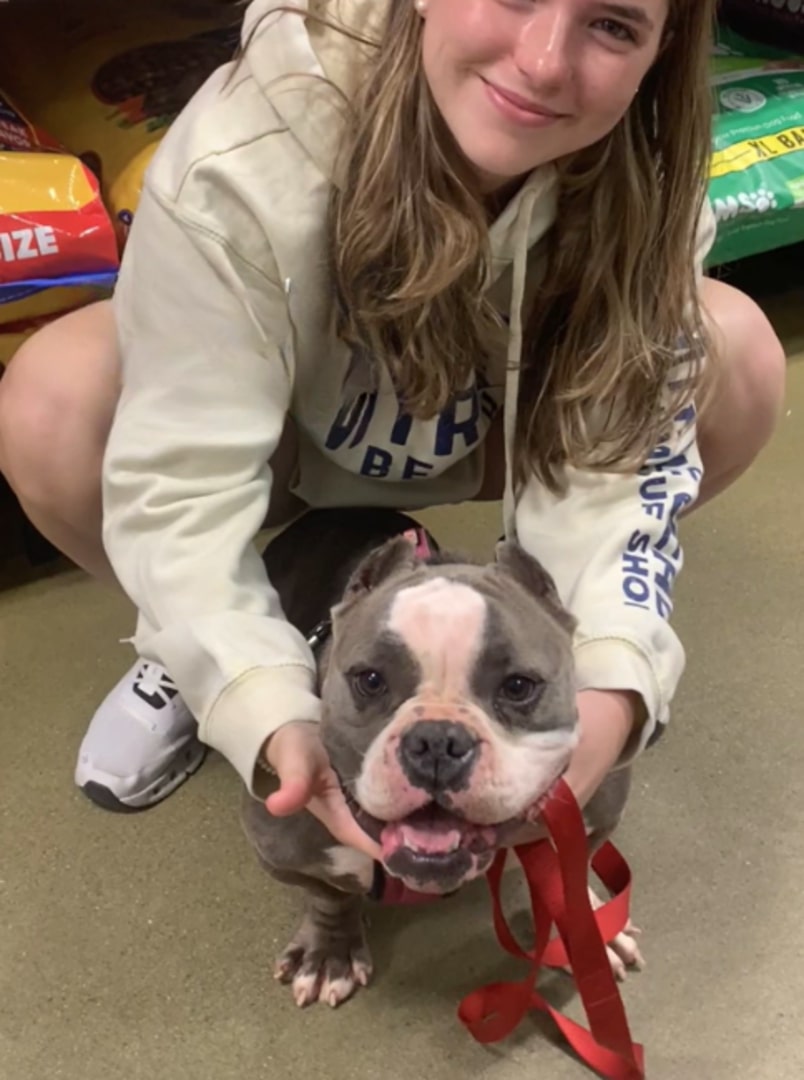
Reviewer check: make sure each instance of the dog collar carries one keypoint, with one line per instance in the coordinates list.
(319, 634)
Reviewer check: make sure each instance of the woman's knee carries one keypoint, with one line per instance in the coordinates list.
(57, 399)
(748, 394)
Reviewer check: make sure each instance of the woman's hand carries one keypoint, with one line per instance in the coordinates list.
(308, 782)
(607, 721)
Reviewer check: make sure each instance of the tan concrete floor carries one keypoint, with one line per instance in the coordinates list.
(141, 947)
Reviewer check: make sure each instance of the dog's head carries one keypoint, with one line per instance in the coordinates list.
(449, 705)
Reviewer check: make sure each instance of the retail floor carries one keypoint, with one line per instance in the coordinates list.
(141, 947)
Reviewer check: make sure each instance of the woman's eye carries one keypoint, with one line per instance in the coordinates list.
(616, 29)
(520, 689)
(369, 683)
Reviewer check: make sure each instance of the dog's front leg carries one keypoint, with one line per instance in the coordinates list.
(602, 815)
(623, 950)
(327, 958)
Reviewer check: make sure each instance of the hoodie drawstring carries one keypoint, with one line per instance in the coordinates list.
(513, 362)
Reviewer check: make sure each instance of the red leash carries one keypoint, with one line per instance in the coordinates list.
(557, 877)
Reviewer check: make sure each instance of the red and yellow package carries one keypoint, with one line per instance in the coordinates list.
(107, 79)
(57, 245)
(52, 222)
(94, 88)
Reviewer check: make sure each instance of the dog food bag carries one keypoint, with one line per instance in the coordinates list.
(107, 79)
(757, 168)
(57, 244)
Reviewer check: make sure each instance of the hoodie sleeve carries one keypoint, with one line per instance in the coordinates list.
(611, 544)
(186, 484)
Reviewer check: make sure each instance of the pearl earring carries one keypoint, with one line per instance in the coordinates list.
(421, 6)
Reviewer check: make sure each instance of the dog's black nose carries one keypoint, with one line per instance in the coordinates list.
(438, 755)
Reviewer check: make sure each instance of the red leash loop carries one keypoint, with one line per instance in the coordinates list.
(557, 878)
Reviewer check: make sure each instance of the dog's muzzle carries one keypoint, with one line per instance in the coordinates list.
(436, 851)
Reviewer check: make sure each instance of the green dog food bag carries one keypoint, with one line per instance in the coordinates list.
(757, 170)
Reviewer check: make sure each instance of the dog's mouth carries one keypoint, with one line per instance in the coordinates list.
(435, 845)
(434, 833)
(430, 830)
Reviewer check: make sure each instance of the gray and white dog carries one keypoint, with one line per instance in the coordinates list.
(449, 713)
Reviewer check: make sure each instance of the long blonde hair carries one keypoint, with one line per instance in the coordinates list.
(620, 307)
(409, 247)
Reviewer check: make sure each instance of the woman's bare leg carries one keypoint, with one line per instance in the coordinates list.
(747, 401)
(57, 400)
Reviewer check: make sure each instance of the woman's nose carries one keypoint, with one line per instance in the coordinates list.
(544, 50)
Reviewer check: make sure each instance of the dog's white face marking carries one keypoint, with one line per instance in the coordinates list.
(442, 624)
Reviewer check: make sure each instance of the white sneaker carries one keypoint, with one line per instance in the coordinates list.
(141, 744)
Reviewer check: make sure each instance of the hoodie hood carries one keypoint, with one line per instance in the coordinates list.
(310, 71)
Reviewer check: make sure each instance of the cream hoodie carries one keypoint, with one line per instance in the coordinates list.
(225, 309)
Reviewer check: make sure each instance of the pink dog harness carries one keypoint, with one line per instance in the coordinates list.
(421, 542)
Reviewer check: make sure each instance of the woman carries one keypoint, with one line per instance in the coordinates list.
(399, 254)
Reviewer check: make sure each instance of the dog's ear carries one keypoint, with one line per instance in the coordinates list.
(394, 555)
(532, 576)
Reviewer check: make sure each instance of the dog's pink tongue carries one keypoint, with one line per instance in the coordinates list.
(423, 832)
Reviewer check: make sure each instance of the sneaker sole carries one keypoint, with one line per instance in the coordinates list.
(105, 798)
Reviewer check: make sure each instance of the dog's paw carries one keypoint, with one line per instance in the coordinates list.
(623, 951)
(325, 963)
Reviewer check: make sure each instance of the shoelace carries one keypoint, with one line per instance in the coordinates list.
(557, 879)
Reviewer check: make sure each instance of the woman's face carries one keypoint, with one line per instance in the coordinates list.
(521, 83)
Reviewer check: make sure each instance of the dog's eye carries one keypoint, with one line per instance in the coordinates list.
(519, 689)
(369, 683)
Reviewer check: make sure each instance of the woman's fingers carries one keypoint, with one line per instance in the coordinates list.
(292, 796)
(307, 781)
(295, 754)
(333, 812)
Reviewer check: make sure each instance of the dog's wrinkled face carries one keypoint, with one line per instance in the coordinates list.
(449, 706)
